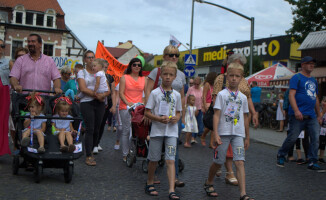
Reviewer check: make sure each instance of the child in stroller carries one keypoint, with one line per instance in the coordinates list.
(34, 126)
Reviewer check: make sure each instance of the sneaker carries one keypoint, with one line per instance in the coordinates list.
(301, 162)
(95, 150)
(99, 148)
(321, 160)
(41, 150)
(280, 161)
(193, 142)
(116, 147)
(316, 167)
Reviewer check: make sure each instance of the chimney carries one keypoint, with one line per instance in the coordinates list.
(120, 43)
(103, 42)
(130, 41)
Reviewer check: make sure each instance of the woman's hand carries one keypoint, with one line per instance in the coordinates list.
(113, 109)
(100, 96)
(130, 104)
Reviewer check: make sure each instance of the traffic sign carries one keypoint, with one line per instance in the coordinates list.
(190, 59)
(189, 71)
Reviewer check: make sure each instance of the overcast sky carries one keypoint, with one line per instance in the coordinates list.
(149, 23)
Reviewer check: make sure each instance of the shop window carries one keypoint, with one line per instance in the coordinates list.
(15, 45)
(48, 49)
(39, 19)
(29, 18)
(19, 17)
(49, 21)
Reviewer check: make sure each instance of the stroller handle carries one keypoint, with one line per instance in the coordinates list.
(42, 91)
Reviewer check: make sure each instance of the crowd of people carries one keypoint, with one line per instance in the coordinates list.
(173, 107)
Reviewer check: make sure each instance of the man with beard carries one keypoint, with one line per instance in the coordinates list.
(35, 70)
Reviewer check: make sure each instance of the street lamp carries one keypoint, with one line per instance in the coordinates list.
(252, 19)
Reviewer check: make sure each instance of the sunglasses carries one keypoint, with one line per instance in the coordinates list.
(136, 65)
(172, 55)
(3, 46)
(90, 57)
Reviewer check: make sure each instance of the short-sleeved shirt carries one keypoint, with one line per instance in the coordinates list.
(37, 123)
(90, 83)
(243, 85)
(178, 82)
(103, 84)
(255, 94)
(61, 123)
(232, 113)
(37, 74)
(155, 99)
(306, 94)
(71, 84)
(198, 93)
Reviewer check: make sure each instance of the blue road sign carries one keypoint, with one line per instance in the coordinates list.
(190, 59)
(189, 71)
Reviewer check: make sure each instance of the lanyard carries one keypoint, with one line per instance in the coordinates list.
(233, 94)
(168, 98)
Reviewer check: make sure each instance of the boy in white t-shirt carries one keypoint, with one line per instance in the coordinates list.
(163, 108)
(230, 126)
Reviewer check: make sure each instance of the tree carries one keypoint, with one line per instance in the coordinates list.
(257, 65)
(309, 16)
(148, 67)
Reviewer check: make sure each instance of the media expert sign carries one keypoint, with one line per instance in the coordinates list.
(276, 48)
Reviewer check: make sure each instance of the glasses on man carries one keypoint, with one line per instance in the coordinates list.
(172, 55)
(90, 57)
(136, 65)
(3, 46)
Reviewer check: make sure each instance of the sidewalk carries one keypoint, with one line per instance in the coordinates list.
(267, 136)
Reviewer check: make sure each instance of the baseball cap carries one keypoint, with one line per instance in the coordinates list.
(307, 59)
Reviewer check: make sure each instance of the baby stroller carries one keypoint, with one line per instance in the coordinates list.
(139, 144)
(52, 158)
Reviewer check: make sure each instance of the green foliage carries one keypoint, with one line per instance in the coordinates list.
(309, 16)
(257, 65)
(148, 67)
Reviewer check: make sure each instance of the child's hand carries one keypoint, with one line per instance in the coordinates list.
(173, 119)
(164, 119)
(246, 143)
(218, 140)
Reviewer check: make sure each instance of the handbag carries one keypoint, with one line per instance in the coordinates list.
(208, 116)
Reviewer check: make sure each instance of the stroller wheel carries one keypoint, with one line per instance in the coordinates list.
(181, 165)
(38, 172)
(15, 165)
(130, 160)
(68, 171)
(145, 166)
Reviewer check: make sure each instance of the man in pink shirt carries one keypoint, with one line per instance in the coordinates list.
(35, 70)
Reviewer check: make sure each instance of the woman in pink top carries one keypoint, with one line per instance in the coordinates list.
(197, 91)
(207, 99)
(131, 91)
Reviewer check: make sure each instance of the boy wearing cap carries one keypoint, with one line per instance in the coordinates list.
(303, 113)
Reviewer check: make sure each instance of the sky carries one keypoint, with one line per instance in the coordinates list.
(149, 23)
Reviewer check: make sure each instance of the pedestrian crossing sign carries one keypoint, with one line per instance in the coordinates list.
(190, 59)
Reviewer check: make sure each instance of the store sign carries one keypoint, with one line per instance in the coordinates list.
(276, 48)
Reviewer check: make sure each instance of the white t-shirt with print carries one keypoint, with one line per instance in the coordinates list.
(232, 110)
(103, 87)
(157, 98)
(90, 84)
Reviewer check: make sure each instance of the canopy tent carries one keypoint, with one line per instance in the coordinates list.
(270, 73)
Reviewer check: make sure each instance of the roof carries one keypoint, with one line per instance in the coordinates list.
(116, 52)
(126, 45)
(314, 40)
(34, 5)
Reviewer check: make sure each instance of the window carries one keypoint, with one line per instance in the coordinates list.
(19, 18)
(39, 19)
(49, 21)
(48, 49)
(29, 18)
(15, 45)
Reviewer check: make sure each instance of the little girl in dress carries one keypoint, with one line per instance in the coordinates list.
(190, 120)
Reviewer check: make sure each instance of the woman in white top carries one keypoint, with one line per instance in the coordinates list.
(92, 106)
(280, 113)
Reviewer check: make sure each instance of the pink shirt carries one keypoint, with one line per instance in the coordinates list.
(35, 75)
(198, 93)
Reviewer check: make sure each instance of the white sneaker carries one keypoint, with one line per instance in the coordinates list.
(116, 147)
(99, 148)
(95, 150)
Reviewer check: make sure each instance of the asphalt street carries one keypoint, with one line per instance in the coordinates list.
(112, 179)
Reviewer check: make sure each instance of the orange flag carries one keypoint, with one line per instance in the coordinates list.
(115, 69)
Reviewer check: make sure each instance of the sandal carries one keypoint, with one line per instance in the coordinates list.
(218, 173)
(41, 150)
(150, 191)
(90, 161)
(179, 184)
(71, 148)
(173, 195)
(64, 148)
(246, 197)
(231, 181)
(203, 142)
(209, 189)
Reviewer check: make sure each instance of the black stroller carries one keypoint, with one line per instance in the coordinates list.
(52, 158)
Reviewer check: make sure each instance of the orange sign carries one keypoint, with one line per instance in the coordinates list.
(115, 69)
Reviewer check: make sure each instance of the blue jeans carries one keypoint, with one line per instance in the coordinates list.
(200, 124)
(296, 126)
